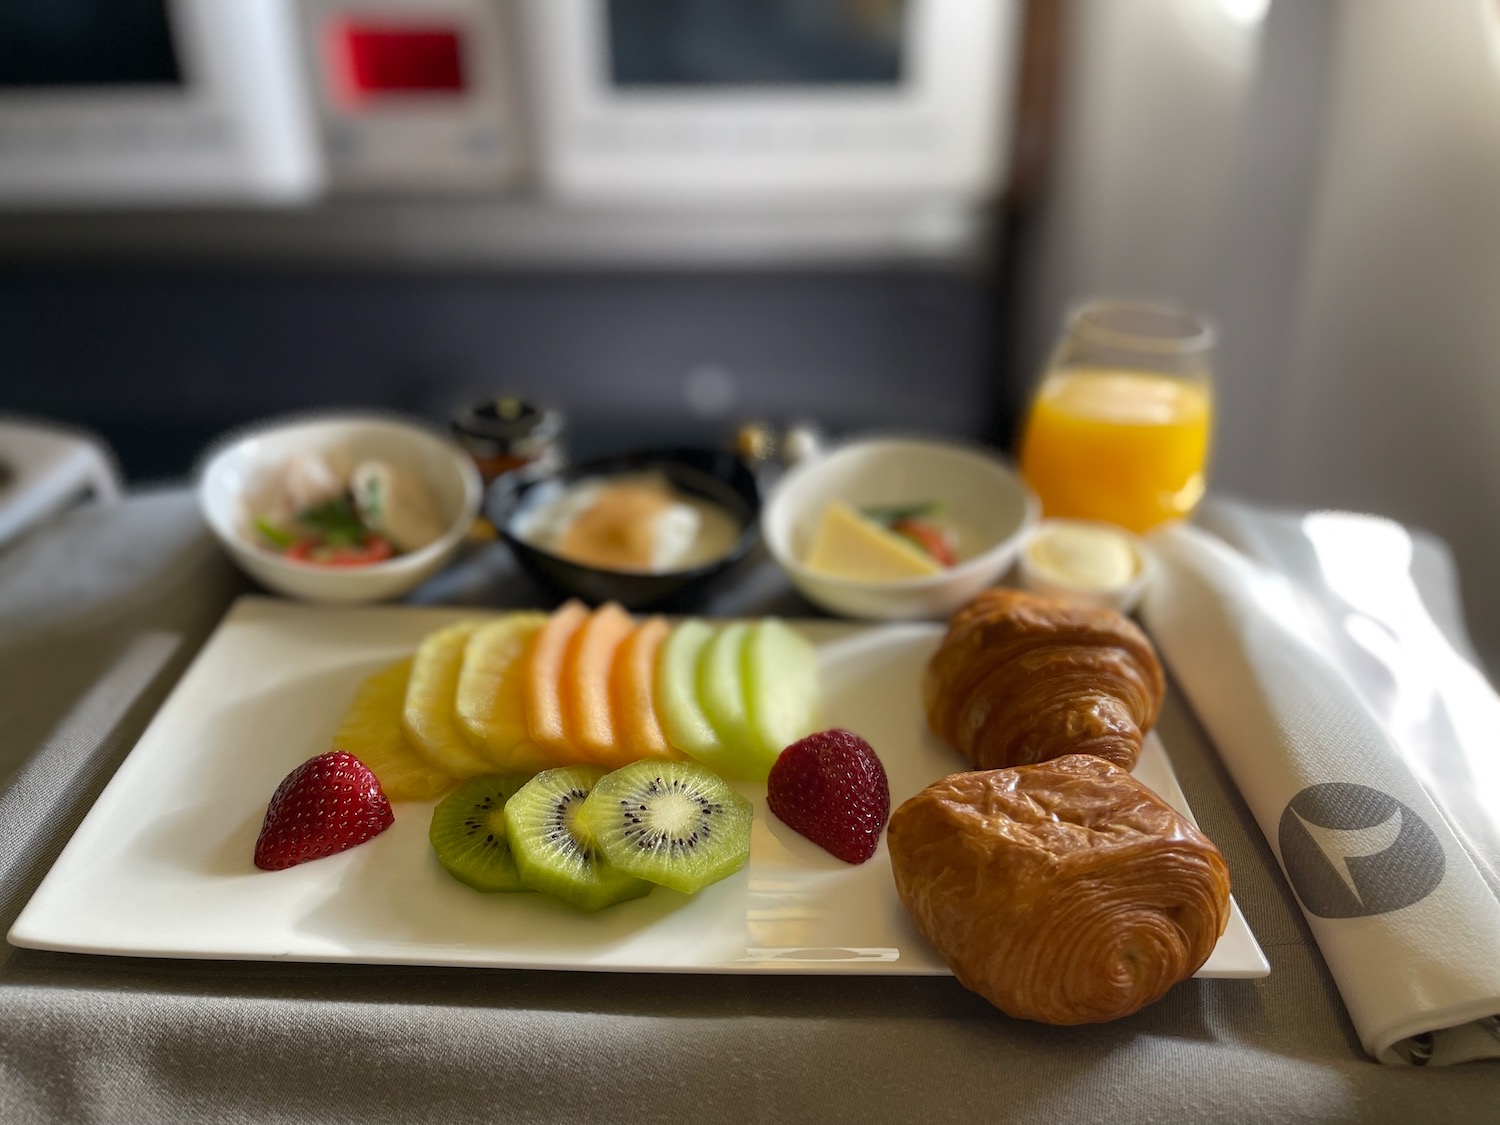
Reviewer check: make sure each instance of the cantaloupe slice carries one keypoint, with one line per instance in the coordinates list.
(585, 689)
(633, 687)
(490, 703)
(371, 731)
(428, 715)
(546, 717)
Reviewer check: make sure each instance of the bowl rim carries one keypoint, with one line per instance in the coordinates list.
(227, 443)
(992, 459)
(514, 496)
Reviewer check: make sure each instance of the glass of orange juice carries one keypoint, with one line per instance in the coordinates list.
(1119, 428)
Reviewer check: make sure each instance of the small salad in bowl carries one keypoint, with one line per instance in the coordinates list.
(314, 513)
(340, 508)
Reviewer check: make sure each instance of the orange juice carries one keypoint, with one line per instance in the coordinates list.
(1127, 447)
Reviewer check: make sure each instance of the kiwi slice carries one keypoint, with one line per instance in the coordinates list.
(553, 850)
(468, 833)
(675, 823)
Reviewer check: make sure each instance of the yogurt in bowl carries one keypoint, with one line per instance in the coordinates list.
(638, 528)
(637, 522)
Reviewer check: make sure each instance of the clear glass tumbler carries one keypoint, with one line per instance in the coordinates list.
(1119, 428)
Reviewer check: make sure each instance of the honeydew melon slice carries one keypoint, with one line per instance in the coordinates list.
(721, 690)
(683, 719)
(781, 691)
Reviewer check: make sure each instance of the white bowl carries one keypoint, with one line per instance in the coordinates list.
(1123, 596)
(236, 472)
(985, 502)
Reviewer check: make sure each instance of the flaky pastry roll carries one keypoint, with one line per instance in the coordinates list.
(1021, 678)
(1065, 892)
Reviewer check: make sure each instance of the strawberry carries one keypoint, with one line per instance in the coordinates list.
(832, 789)
(326, 805)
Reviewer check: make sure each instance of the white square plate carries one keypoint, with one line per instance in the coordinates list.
(161, 866)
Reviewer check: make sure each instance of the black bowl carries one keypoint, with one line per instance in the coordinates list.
(710, 473)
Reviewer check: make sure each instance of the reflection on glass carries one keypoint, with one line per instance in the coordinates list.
(86, 43)
(755, 42)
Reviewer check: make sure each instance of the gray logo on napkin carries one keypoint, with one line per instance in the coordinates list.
(1351, 851)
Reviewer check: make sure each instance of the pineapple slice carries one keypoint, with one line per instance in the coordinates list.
(428, 716)
(490, 702)
(371, 731)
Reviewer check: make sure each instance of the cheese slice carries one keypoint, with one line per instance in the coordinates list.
(847, 545)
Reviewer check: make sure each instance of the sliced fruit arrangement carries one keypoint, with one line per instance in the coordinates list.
(527, 691)
(733, 697)
(590, 748)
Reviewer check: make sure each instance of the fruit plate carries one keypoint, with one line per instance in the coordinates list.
(161, 866)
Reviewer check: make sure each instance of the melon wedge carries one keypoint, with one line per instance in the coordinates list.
(683, 719)
(371, 731)
(781, 690)
(721, 689)
(541, 682)
(585, 687)
(490, 704)
(428, 715)
(638, 725)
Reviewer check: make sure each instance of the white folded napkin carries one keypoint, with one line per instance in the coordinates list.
(1394, 888)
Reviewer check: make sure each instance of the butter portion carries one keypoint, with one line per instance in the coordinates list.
(847, 545)
(1084, 555)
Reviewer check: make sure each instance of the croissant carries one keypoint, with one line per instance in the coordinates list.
(1020, 678)
(1065, 892)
